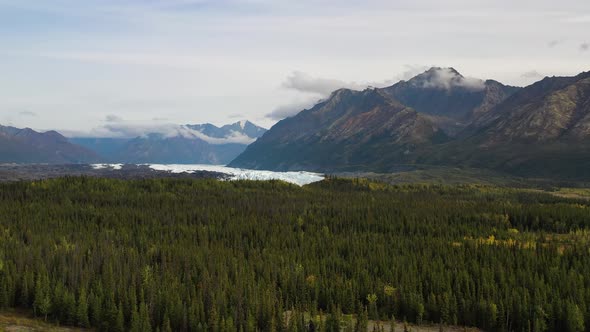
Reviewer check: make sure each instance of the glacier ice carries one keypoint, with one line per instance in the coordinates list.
(103, 166)
(299, 178)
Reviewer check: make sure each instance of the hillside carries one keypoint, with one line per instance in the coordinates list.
(28, 146)
(347, 129)
(542, 130)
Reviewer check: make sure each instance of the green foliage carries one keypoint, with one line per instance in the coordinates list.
(185, 255)
(575, 318)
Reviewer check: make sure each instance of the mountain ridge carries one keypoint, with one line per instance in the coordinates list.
(349, 121)
(29, 146)
(525, 131)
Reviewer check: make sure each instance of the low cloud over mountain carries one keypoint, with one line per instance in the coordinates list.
(124, 141)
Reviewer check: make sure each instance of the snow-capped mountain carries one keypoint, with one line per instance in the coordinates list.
(180, 144)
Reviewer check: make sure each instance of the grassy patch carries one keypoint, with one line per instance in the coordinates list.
(21, 321)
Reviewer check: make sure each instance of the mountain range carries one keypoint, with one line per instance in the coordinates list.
(186, 144)
(437, 118)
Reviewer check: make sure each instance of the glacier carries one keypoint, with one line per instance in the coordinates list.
(299, 178)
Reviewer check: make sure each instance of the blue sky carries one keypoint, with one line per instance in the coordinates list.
(71, 65)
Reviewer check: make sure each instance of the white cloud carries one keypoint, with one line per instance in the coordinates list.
(292, 108)
(313, 90)
(303, 82)
(532, 74)
(447, 78)
(320, 88)
(584, 47)
(411, 71)
(117, 127)
(306, 83)
(233, 137)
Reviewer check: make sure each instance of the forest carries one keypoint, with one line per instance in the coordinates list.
(207, 255)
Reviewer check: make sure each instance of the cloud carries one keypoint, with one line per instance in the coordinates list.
(119, 128)
(303, 82)
(315, 90)
(292, 108)
(411, 71)
(232, 137)
(532, 74)
(448, 78)
(554, 43)
(236, 116)
(113, 118)
(584, 47)
(27, 113)
(321, 88)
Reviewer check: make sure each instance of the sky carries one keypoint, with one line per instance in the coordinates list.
(96, 67)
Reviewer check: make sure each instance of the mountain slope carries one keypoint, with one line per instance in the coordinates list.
(555, 108)
(542, 130)
(28, 146)
(451, 99)
(351, 129)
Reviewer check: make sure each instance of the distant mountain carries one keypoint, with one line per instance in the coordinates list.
(105, 147)
(348, 130)
(189, 144)
(243, 127)
(438, 118)
(28, 146)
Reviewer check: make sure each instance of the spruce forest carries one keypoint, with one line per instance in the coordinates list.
(208, 255)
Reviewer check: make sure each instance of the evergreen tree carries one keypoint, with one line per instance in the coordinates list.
(144, 318)
(120, 320)
(82, 310)
(362, 321)
(135, 324)
(166, 324)
(574, 318)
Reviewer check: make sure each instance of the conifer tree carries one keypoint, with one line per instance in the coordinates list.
(82, 310)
